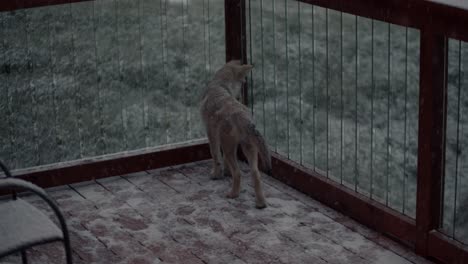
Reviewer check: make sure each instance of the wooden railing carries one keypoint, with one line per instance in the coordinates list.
(22, 4)
(436, 22)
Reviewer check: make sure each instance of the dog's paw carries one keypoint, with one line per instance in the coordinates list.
(232, 195)
(216, 175)
(260, 204)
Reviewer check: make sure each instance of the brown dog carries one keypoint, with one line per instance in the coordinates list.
(228, 124)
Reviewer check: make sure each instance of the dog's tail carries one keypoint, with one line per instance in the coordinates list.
(263, 151)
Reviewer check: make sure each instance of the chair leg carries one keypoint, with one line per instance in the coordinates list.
(24, 257)
(68, 252)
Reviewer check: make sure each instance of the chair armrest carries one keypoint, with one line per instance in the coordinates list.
(5, 170)
(12, 183)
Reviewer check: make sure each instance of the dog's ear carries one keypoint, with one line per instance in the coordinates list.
(243, 70)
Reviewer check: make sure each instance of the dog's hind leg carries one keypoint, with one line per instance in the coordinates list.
(215, 150)
(230, 151)
(227, 171)
(251, 153)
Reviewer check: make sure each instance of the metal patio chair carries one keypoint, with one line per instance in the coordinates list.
(22, 225)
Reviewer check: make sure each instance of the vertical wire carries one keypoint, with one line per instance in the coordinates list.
(54, 88)
(77, 88)
(388, 115)
(314, 102)
(455, 196)
(144, 81)
(263, 65)
(300, 83)
(98, 81)
(185, 88)
(29, 64)
(7, 59)
(252, 99)
(163, 9)
(405, 176)
(161, 28)
(356, 171)
(341, 98)
(33, 91)
(166, 67)
(372, 112)
(188, 102)
(274, 75)
(241, 23)
(204, 42)
(119, 60)
(15, 157)
(209, 37)
(327, 101)
(244, 96)
(287, 77)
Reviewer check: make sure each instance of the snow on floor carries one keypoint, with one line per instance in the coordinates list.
(179, 215)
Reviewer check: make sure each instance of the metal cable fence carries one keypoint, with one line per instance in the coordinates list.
(84, 79)
(455, 219)
(338, 93)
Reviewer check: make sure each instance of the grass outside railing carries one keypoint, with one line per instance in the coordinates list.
(97, 77)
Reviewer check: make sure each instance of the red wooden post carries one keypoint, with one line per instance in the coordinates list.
(236, 37)
(431, 142)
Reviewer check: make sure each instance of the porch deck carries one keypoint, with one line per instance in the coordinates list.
(179, 215)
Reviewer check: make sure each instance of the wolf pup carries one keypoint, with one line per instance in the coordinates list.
(229, 124)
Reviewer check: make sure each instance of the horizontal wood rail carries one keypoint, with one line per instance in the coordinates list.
(447, 20)
(444, 19)
(114, 164)
(436, 22)
(11, 5)
(446, 249)
(345, 200)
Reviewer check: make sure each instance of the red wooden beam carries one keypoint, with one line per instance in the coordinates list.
(400, 12)
(431, 135)
(114, 164)
(234, 12)
(447, 250)
(10, 5)
(236, 35)
(448, 20)
(345, 200)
